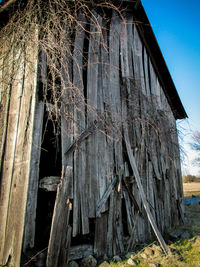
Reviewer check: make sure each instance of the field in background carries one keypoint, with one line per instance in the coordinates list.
(191, 189)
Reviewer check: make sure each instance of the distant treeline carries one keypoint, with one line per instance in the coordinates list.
(191, 179)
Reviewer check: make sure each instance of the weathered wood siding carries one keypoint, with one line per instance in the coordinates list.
(119, 70)
(16, 152)
(113, 112)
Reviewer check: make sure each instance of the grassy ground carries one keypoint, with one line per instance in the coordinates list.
(184, 252)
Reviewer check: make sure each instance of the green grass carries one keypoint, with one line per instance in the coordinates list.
(184, 252)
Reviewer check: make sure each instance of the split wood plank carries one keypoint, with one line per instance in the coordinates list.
(60, 235)
(105, 144)
(92, 105)
(133, 96)
(105, 155)
(115, 90)
(31, 206)
(104, 161)
(105, 197)
(80, 202)
(67, 106)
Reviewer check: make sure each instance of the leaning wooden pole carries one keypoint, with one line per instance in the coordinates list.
(60, 235)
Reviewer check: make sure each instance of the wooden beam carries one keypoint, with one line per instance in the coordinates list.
(82, 137)
(105, 196)
(30, 221)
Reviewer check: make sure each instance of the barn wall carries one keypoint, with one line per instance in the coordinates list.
(119, 72)
(104, 86)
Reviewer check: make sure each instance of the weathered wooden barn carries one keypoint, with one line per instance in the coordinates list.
(89, 150)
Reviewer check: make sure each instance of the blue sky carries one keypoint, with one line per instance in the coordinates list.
(176, 25)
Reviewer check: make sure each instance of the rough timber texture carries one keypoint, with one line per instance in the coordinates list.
(17, 153)
(113, 112)
(120, 72)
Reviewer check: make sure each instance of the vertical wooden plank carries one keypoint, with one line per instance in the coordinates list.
(16, 166)
(5, 90)
(59, 241)
(138, 59)
(80, 203)
(146, 72)
(115, 92)
(92, 91)
(110, 226)
(67, 106)
(105, 145)
(100, 240)
(29, 229)
(6, 180)
(103, 101)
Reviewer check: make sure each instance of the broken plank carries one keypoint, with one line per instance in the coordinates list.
(59, 236)
(81, 251)
(67, 106)
(29, 229)
(85, 133)
(92, 105)
(80, 202)
(104, 198)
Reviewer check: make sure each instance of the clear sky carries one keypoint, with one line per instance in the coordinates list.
(176, 24)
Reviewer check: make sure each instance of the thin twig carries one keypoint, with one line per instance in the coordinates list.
(35, 256)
